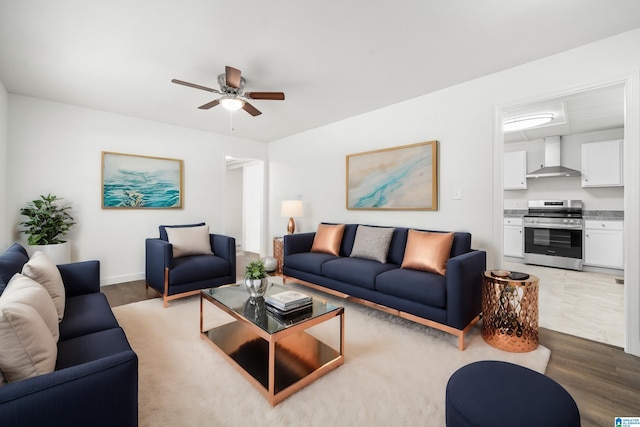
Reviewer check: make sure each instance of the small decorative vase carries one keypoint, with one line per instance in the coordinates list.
(256, 287)
(270, 263)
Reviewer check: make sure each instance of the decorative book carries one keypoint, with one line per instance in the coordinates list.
(288, 300)
(292, 316)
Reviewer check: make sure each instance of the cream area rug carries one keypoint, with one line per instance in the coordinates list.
(395, 371)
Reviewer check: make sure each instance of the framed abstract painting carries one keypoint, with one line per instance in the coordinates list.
(399, 178)
(141, 182)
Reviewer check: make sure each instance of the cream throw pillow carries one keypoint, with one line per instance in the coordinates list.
(41, 269)
(24, 290)
(27, 348)
(427, 251)
(189, 240)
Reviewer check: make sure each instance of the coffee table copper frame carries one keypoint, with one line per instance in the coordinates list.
(278, 360)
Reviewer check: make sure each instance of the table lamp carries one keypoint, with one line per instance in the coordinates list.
(291, 208)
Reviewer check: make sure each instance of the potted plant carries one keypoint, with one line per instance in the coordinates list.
(47, 223)
(255, 278)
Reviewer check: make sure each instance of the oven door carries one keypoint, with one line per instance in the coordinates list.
(559, 242)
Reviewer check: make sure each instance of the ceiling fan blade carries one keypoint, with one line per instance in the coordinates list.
(193, 85)
(251, 109)
(277, 96)
(209, 104)
(232, 76)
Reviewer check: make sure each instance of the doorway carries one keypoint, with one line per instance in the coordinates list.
(245, 203)
(628, 103)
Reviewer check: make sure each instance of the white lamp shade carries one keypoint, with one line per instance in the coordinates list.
(291, 208)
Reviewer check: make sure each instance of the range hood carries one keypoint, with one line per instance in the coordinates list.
(552, 166)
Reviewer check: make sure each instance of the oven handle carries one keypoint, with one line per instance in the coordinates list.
(554, 226)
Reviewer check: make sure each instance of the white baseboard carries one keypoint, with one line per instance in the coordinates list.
(106, 281)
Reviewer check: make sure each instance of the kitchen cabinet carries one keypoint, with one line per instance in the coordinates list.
(602, 164)
(604, 243)
(515, 170)
(513, 240)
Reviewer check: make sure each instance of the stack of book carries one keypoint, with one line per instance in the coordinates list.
(288, 303)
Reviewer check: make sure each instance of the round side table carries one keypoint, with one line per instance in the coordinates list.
(510, 312)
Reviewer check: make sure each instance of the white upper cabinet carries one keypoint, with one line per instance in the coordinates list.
(602, 164)
(515, 170)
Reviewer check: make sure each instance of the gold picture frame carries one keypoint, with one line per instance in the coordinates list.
(398, 178)
(131, 181)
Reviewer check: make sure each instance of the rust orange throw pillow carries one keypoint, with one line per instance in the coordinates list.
(427, 251)
(328, 239)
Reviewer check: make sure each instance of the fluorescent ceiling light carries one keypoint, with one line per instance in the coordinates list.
(231, 103)
(526, 122)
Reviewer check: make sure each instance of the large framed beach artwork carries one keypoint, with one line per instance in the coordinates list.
(141, 182)
(399, 178)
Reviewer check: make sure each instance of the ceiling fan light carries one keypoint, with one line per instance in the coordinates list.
(231, 103)
(526, 122)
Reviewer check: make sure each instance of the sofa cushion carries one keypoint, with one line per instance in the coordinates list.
(27, 348)
(328, 238)
(310, 262)
(419, 286)
(427, 251)
(355, 271)
(24, 290)
(372, 243)
(43, 270)
(90, 347)
(85, 314)
(198, 267)
(11, 261)
(188, 241)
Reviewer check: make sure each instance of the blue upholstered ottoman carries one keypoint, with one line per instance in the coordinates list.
(494, 394)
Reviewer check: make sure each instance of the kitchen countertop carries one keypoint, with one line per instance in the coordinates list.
(603, 215)
(600, 215)
(515, 213)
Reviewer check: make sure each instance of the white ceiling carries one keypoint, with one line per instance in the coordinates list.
(334, 59)
(581, 112)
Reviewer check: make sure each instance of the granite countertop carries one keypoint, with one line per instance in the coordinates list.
(603, 215)
(600, 215)
(515, 213)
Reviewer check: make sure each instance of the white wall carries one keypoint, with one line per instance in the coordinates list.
(466, 120)
(233, 204)
(56, 148)
(4, 111)
(461, 118)
(253, 207)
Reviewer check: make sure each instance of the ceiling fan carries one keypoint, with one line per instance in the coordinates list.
(233, 95)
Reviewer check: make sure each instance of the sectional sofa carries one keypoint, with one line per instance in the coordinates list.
(90, 376)
(430, 277)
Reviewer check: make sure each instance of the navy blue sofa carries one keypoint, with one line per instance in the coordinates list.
(180, 277)
(451, 303)
(95, 381)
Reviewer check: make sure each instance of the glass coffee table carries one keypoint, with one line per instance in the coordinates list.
(278, 356)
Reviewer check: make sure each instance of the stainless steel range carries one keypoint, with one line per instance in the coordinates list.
(553, 233)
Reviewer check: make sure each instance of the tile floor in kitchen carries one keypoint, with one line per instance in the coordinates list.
(584, 304)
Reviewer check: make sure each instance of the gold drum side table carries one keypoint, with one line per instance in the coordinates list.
(510, 312)
(278, 253)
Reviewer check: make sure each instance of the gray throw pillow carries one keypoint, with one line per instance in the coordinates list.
(372, 243)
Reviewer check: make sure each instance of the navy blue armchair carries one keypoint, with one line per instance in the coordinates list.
(177, 277)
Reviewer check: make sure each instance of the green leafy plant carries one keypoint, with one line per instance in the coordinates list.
(47, 222)
(255, 270)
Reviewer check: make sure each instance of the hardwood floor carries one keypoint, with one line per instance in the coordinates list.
(603, 379)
